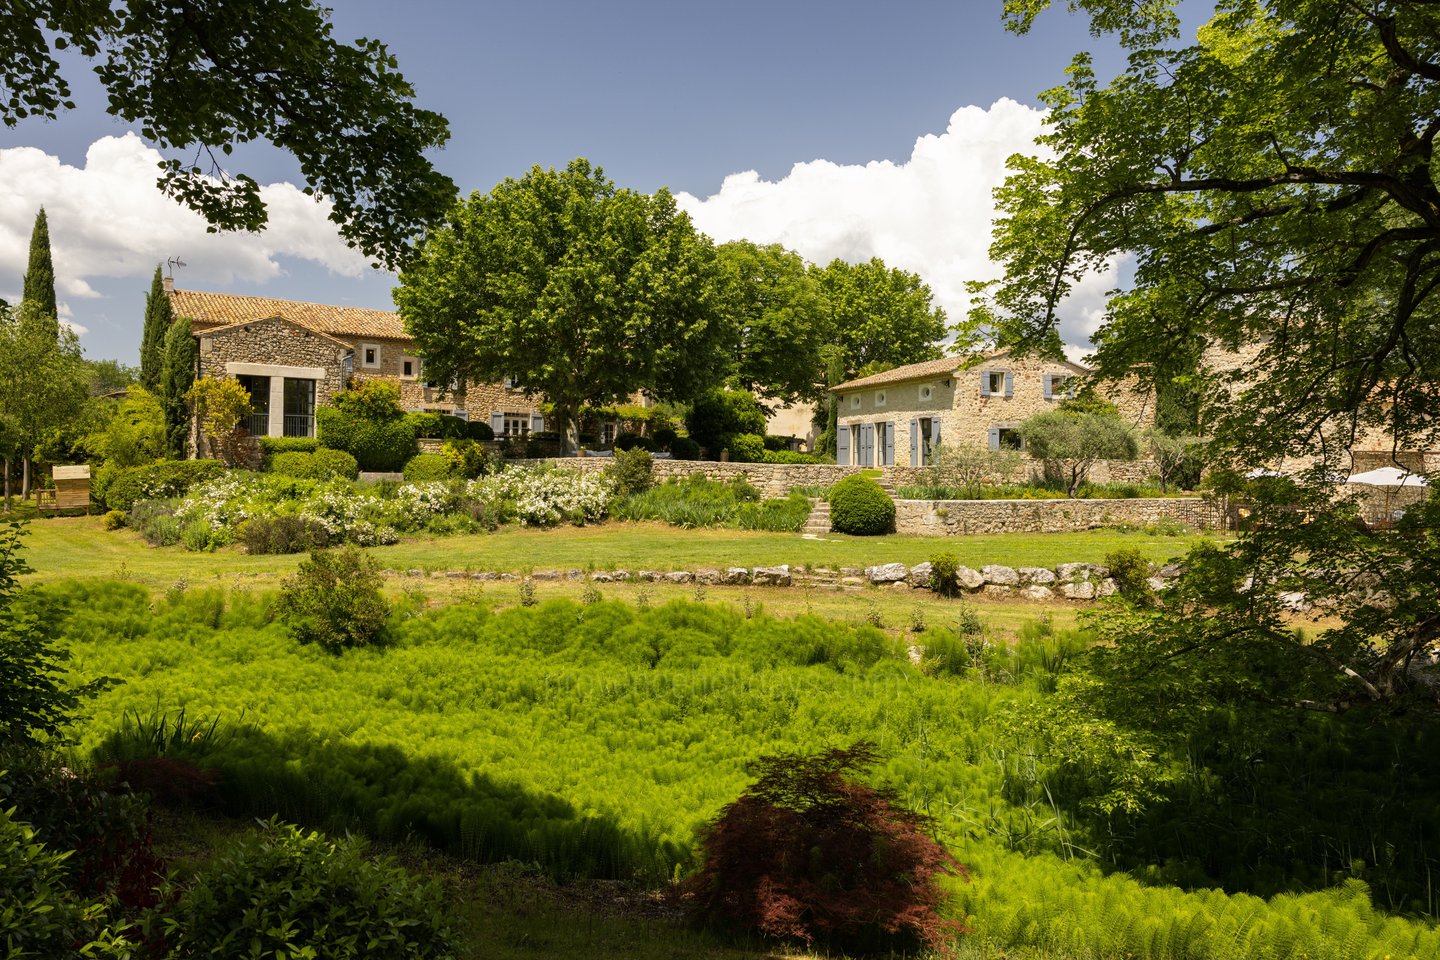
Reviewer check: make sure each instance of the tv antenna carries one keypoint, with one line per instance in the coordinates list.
(174, 262)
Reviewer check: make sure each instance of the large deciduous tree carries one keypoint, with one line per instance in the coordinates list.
(43, 380)
(202, 76)
(778, 319)
(582, 292)
(39, 288)
(881, 315)
(158, 317)
(1273, 182)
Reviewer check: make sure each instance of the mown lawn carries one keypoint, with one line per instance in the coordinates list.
(78, 547)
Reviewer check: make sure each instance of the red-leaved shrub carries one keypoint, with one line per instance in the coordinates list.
(809, 854)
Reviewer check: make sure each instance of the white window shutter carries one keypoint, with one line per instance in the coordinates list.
(994, 438)
(984, 383)
(1009, 385)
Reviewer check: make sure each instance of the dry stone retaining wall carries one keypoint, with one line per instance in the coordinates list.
(949, 518)
(1104, 471)
(772, 479)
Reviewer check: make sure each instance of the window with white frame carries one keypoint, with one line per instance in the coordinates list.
(410, 368)
(996, 380)
(517, 424)
(370, 355)
(1061, 385)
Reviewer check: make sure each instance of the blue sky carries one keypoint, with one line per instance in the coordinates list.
(659, 94)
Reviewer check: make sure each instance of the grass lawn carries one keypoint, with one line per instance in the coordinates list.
(78, 547)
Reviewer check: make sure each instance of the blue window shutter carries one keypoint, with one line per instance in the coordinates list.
(1009, 385)
(914, 443)
(497, 423)
(1049, 390)
(994, 438)
(842, 445)
(890, 444)
(984, 383)
(537, 423)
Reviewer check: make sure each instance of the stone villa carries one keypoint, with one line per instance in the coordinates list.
(295, 356)
(899, 416)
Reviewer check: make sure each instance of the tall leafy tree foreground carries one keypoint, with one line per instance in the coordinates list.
(201, 76)
(158, 317)
(1273, 182)
(881, 317)
(39, 287)
(580, 291)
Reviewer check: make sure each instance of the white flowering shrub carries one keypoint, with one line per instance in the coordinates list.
(377, 515)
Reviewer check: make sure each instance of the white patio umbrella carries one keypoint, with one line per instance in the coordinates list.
(1389, 477)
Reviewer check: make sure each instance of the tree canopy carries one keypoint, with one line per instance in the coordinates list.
(39, 286)
(881, 315)
(578, 290)
(202, 77)
(779, 320)
(1273, 182)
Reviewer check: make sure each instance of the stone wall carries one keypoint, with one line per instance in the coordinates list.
(1104, 471)
(275, 342)
(948, 518)
(772, 479)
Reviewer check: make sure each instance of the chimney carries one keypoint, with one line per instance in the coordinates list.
(168, 283)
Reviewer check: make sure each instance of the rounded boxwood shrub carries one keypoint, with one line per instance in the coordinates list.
(747, 448)
(287, 889)
(428, 466)
(376, 443)
(293, 463)
(479, 430)
(269, 446)
(634, 441)
(683, 448)
(858, 506)
(335, 463)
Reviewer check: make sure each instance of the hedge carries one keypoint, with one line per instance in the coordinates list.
(428, 466)
(320, 465)
(269, 446)
(858, 506)
(439, 426)
(154, 481)
(376, 444)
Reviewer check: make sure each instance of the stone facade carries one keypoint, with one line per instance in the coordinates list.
(948, 518)
(771, 479)
(975, 403)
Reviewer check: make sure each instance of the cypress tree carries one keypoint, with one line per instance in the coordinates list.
(40, 274)
(175, 381)
(158, 317)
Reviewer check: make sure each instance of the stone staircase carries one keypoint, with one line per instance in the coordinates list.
(818, 523)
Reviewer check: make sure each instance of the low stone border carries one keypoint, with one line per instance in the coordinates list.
(1066, 581)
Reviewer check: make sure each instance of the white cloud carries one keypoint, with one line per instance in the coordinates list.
(108, 219)
(930, 214)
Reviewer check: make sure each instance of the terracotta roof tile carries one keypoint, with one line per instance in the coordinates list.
(943, 367)
(206, 310)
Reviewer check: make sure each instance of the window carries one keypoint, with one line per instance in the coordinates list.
(926, 392)
(370, 355)
(927, 445)
(517, 424)
(855, 402)
(258, 422)
(996, 380)
(410, 367)
(607, 433)
(510, 383)
(857, 449)
(1009, 438)
(1060, 386)
(879, 398)
(299, 408)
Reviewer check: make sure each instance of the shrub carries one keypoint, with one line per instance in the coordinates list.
(289, 891)
(269, 446)
(467, 458)
(167, 478)
(794, 456)
(334, 600)
(479, 430)
(428, 466)
(284, 533)
(858, 506)
(746, 448)
(633, 441)
(155, 520)
(293, 463)
(113, 519)
(780, 516)
(809, 854)
(38, 915)
(220, 406)
(367, 423)
(664, 436)
(196, 535)
(943, 570)
(683, 448)
(775, 443)
(720, 414)
(1130, 571)
(632, 472)
(335, 463)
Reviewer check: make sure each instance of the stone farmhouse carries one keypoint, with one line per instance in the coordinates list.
(294, 356)
(898, 417)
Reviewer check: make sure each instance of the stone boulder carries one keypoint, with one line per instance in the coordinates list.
(920, 575)
(545, 575)
(887, 573)
(999, 576)
(709, 575)
(771, 576)
(649, 576)
(969, 578)
(1080, 572)
(1157, 583)
(997, 590)
(735, 576)
(1036, 592)
(1041, 576)
(679, 576)
(1080, 590)
(1106, 588)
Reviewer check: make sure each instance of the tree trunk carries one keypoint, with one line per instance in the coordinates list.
(7, 484)
(25, 476)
